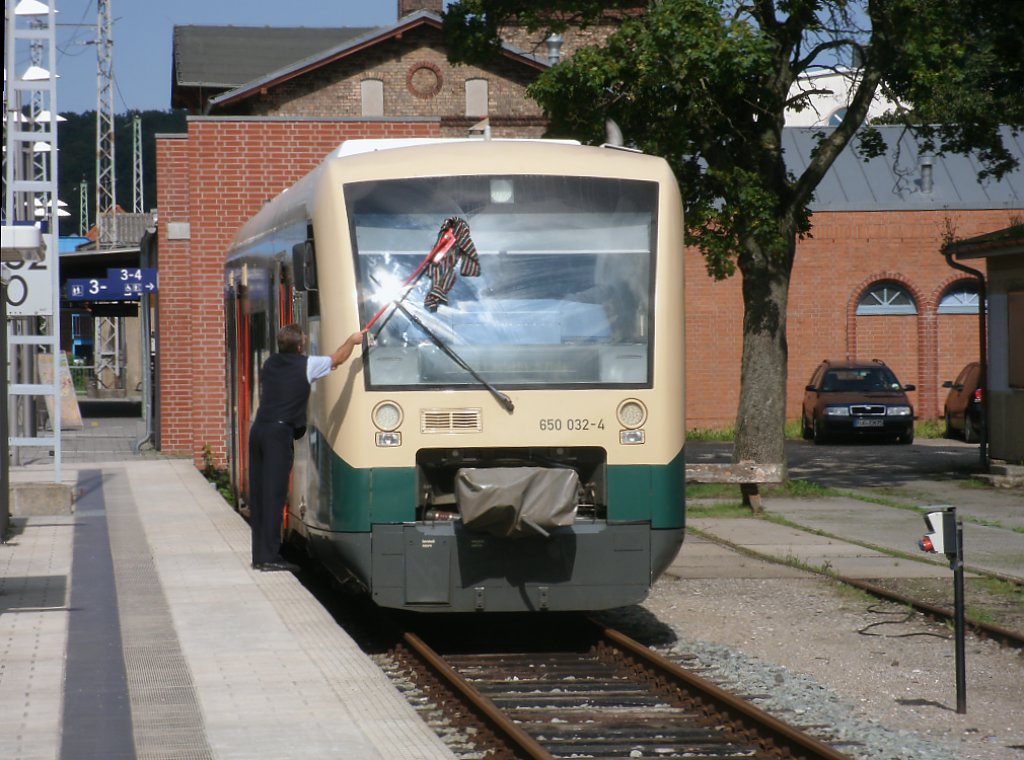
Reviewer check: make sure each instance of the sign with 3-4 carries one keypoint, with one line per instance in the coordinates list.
(125, 284)
(145, 278)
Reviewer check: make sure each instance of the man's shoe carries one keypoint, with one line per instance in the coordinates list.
(278, 566)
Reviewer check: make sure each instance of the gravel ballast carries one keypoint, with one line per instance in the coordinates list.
(871, 677)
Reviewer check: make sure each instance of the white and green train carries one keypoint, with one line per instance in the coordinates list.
(510, 437)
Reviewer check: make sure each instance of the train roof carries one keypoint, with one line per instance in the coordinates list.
(370, 145)
(362, 160)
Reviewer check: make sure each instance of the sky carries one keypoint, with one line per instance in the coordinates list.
(143, 31)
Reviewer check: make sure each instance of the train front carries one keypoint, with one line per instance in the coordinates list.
(511, 437)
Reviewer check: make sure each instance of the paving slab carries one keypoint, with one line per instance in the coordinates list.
(787, 544)
(220, 661)
(701, 557)
(994, 549)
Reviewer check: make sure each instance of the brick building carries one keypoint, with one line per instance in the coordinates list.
(871, 282)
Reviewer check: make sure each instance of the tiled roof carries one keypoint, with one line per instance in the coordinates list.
(223, 57)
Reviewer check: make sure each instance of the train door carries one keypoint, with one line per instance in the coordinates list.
(231, 322)
(250, 313)
(240, 376)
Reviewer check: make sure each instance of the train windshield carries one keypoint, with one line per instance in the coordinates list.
(547, 284)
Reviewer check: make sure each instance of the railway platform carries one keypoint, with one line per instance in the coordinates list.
(136, 628)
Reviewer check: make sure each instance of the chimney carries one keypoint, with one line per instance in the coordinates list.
(405, 7)
(554, 43)
(925, 162)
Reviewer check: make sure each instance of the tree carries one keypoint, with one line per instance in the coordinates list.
(705, 83)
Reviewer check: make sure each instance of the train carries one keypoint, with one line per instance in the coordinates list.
(510, 435)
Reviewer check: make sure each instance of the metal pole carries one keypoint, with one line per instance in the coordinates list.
(958, 616)
(5, 461)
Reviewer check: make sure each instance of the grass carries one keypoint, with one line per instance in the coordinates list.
(711, 434)
(800, 489)
(721, 509)
(793, 431)
(930, 429)
(791, 488)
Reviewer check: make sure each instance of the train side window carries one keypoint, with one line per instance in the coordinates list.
(304, 263)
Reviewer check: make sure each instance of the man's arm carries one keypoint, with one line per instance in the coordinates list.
(340, 356)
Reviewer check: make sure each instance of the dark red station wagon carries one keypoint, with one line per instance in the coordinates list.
(857, 399)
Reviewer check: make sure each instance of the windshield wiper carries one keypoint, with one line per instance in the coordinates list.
(500, 397)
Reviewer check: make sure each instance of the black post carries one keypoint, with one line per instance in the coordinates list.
(957, 564)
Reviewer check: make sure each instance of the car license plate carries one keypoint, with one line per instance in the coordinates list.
(868, 422)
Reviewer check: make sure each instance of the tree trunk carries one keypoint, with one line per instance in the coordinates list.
(761, 416)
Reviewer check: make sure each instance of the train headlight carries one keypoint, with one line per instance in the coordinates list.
(387, 416)
(631, 413)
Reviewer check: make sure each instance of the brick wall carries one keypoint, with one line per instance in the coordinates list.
(847, 253)
(215, 178)
(417, 80)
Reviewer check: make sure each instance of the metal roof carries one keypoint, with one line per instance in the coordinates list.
(898, 180)
(228, 56)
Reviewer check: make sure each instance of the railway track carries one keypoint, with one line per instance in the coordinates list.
(592, 692)
(997, 633)
(1000, 634)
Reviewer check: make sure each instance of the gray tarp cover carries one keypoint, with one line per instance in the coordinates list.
(516, 501)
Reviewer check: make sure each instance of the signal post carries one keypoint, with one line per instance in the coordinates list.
(945, 536)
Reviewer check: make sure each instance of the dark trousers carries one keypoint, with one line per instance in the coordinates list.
(271, 450)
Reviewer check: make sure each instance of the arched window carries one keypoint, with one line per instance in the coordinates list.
(837, 117)
(886, 297)
(960, 298)
(372, 91)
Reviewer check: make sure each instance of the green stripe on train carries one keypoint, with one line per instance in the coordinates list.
(648, 492)
(388, 494)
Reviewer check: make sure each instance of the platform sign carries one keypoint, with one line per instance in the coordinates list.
(125, 284)
(94, 289)
(144, 278)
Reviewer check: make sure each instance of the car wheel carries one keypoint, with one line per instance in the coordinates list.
(907, 437)
(970, 430)
(949, 426)
(819, 432)
(808, 431)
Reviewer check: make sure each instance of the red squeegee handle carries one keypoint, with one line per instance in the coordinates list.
(446, 241)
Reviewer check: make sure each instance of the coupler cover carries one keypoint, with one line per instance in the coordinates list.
(516, 501)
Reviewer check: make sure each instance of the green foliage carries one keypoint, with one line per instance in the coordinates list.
(710, 434)
(731, 510)
(801, 489)
(963, 77)
(930, 429)
(218, 477)
(706, 83)
(718, 491)
(792, 432)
